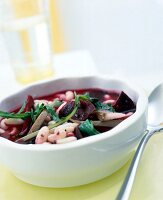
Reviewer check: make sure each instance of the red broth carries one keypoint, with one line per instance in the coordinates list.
(94, 92)
(101, 94)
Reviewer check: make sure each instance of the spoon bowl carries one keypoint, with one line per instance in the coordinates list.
(155, 114)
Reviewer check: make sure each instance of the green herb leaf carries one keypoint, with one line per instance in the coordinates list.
(56, 103)
(37, 111)
(23, 107)
(99, 105)
(15, 115)
(52, 112)
(103, 106)
(88, 128)
(85, 96)
(61, 121)
(40, 108)
(77, 100)
(34, 134)
(65, 119)
(32, 115)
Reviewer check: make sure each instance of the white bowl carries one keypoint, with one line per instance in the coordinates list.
(82, 161)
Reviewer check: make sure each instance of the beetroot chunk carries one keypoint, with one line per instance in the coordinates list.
(78, 133)
(66, 109)
(124, 103)
(85, 109)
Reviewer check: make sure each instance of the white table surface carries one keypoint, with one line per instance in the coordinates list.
(75, 63)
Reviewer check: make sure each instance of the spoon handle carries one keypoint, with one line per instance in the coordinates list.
(126, 187)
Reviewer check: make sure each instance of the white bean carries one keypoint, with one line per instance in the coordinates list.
(111, 101)
(50, 103)
(55, 99)
(68, 127)
(3, 124)
(56, 136)
(62, 134)
(2, 131)
(51, 122)
(42, 135)
(69, 95)
(51, 131)
(70, 134)
(53, 138)
(62, 97)
(12, 121)
(60, 107)
(47, 143)
(106, 96)
(106, 115)
(14, 131)
(66, 140)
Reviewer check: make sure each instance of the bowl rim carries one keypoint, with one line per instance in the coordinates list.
(142, 103)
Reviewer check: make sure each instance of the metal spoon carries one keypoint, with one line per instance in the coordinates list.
(155, 117)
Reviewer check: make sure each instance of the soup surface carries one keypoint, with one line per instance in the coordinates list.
(66, 116)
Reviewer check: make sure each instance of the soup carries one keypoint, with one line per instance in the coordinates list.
(66, 116)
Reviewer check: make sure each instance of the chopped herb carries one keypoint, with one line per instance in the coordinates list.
(52, 112)
(23, 107)
(99, 105)
(103, 106)
(34, 134)
(83, 109)
(77, 100)
(85, 96)
(65, 119)
(32, 115)
(50, 109)
(37, 112)
(61, 121)
(15, 115)
(88, 128)
(56, 103)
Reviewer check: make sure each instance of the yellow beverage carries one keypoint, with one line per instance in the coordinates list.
(31, 74)
(27, 35)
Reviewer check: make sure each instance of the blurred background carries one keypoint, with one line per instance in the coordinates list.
(123, 37)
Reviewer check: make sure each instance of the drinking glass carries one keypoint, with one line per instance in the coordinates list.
(25, 26)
